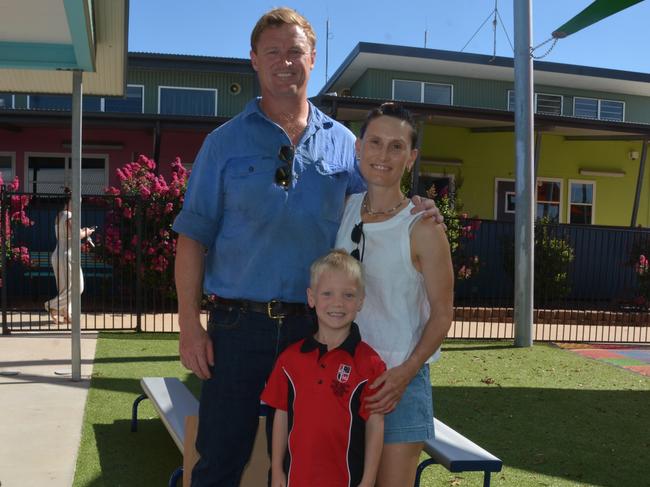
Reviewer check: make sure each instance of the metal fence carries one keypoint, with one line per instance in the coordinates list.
(598, 296)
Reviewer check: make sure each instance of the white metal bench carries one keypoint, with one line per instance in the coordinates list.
(178, 409)
(174, 403)
(457, 454)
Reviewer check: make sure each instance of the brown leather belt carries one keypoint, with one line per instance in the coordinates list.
(273, 309)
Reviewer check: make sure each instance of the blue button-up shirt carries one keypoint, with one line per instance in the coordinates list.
(261, 238)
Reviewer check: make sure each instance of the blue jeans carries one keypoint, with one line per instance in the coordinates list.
(245, 348)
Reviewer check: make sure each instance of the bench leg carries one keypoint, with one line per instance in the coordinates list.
(134, 412)
(175, 477)
(486, 479)
(423, 464)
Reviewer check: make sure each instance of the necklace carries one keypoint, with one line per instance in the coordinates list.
(371, 212)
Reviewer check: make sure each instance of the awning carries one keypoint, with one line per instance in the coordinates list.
(595, 12)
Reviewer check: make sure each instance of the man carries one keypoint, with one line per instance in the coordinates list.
(265, 199)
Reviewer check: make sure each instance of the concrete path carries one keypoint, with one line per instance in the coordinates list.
(41, 411)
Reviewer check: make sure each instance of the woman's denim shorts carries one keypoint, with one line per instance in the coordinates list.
(412, 420)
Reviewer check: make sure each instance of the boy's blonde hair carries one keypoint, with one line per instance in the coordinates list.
(337, 260)
(278, 17)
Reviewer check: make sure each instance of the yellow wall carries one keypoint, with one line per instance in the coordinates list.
(487, 156)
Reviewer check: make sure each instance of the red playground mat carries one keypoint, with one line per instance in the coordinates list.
(635, 358)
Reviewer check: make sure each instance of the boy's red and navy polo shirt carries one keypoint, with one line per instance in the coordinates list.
(324, 395)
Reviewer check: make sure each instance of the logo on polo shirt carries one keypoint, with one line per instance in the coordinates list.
(344, 373)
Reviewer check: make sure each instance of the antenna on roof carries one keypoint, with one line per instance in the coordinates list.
(494, 14)
(328, 36)
(425, 38)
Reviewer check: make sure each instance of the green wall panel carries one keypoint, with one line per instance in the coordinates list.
(480, 93)
(228, 104)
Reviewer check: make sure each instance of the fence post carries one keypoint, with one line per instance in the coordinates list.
(138, 264)
(4, 205)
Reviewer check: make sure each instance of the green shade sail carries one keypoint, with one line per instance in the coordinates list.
(595, 12)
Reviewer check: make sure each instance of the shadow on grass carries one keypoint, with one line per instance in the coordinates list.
(598, 437)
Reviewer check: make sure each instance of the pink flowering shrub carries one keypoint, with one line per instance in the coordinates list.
(148, 200)
(12, 215)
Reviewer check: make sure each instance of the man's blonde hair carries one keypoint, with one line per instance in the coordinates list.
(337, 260)
(278, 17)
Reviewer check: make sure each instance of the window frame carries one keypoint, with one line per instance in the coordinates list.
(598, 109)
(560, 203)
(511, 108)
(28, 183)
(193, 88)
(141, 104)
(593, 200)
(422, 83)
(13, 102)
(12, 156)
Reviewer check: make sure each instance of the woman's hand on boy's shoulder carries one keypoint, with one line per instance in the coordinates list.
(390, 387)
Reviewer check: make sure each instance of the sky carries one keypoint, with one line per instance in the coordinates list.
(222, 29)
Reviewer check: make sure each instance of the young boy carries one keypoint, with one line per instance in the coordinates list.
(323, 436)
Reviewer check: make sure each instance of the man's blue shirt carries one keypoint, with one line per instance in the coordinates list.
(261, 238)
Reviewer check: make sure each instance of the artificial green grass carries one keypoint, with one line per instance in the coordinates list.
(553, 417)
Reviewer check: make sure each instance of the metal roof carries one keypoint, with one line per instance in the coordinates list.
(41, 42)
(467, 65)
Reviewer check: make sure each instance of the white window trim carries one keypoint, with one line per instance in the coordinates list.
(550, 94)
(161, 87)
(560, 214)
(496, 193)
(600, 100)
(593, 198)
(28, 184)
(422, 83)
(586, 98)
(598, 109)
(12, 155)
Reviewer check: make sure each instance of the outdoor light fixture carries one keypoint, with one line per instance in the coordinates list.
(633, 155)
(597, 172)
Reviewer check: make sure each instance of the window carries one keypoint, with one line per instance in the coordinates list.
(544, 103)
(600, 109)
(548, 199)
(6, 101)
(420, 92)
(187, 101)
(133, 103)
(549, 104)
(443, 184)
(51, 173)
(7, 168)
(63, 102)
(611, 110)
(581, 202)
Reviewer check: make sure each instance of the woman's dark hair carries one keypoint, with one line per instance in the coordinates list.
(395, 110)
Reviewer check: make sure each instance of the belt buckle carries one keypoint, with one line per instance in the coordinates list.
(271, 312)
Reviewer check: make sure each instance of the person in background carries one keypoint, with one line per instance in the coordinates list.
(60, 306)
(409, 288)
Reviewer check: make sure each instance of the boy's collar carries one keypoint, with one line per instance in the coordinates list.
(349, 344)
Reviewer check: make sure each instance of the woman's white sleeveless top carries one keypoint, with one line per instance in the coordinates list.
(396, 307)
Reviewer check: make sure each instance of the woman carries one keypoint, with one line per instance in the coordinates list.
(409, 291)
(60, 306)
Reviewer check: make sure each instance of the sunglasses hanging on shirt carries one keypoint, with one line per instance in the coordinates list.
(356, 236)
(283, 174)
